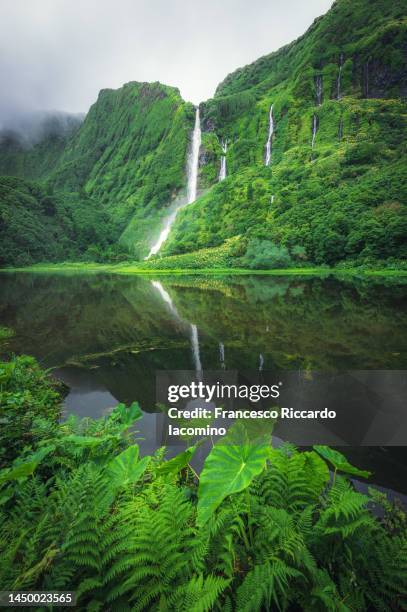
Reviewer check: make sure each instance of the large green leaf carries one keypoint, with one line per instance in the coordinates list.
(125, 468)
(20, 471)
(26, 468)
(340, 462)
(178, 463)
(229, 468)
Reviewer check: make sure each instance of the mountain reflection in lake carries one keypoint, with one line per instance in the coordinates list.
(106, 335)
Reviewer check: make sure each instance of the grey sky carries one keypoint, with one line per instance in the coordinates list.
(57, 54)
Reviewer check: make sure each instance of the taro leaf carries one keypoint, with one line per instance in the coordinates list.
(229, 468)
(178, 463)
(125, 468)
(340, 462)
(20, 471)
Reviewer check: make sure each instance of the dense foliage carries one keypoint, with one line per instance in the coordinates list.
(339, 198)
(107, 189)
(260, 528)
(39, 224)
(334, 191)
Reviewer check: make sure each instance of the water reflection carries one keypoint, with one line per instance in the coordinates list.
(107, 335)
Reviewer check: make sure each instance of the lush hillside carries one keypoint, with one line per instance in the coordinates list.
(333, 192)
(124, 165)
(342, 196)
(130, 156)
(32, 146)
(39, 225)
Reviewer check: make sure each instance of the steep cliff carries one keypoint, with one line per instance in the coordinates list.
(334, 186)
(310, 140)
(126, 162)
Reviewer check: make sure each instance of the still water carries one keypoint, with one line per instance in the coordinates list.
(106, 336)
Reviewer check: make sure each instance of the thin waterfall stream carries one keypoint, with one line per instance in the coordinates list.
(222, 172)
(192, 186)
(270, 137)
(314, 130)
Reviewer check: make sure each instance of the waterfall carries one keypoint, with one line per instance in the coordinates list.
(261, 362)
(193, 328)
(272, 199)
(195, 348)
(193, 160)
(192, 171)
(339, 77)
(222, 173)
(318, 87)
(270, 137)
(314, 130)
(222, 354)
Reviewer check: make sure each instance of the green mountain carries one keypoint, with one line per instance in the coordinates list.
(325, 187)
(32, 147)
(110, 184)
(340, 198)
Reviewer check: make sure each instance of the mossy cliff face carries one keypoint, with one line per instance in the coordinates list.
(130, 156)
(334, 189)
(339, 197)
(125, 165)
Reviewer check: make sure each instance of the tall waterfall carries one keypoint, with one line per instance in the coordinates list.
(338, 83)
(192, 327)
(270, 137)
(261, 362)
(314, 130)
(318, 88)
(193, 160)
(193, 164)
(222, 173)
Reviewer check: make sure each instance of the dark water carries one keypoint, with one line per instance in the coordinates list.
(106, 335)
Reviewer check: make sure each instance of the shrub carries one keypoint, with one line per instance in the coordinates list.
(265, 255)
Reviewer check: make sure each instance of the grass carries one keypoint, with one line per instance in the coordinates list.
(138, 269)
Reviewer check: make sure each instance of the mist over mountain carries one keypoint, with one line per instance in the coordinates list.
(301, 160)
(31, 127)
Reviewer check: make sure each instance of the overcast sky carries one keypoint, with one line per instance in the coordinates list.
(57, 54)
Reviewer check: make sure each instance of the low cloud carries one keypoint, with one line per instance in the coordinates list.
(60, 53)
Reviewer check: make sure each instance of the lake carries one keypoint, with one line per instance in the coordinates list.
(106, 335)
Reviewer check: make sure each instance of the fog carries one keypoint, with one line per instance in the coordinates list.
(57, 54)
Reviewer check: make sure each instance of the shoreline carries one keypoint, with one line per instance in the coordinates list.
(129, 269)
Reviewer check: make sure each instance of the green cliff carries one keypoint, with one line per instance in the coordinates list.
(118, 173)
(332, 192)
(338, 198)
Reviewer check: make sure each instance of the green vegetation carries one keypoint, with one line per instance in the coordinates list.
(333, 197)
(259, 528)
(34, 152)
(106, 193)
(342, 200)
(38, 224)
